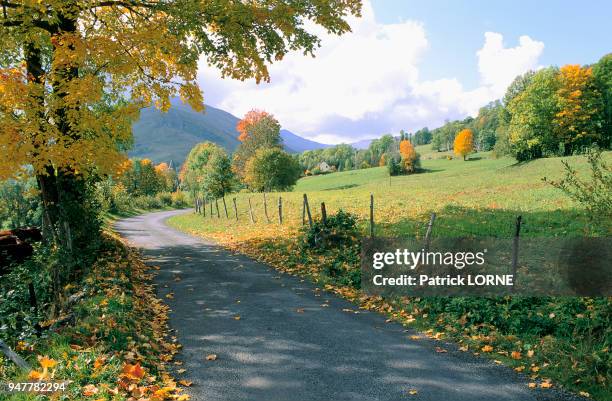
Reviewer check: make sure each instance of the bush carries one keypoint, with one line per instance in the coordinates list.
(394, 166)
(179, 199)
(594, 194)
(146, 202)
(165, 198)
(337, 240)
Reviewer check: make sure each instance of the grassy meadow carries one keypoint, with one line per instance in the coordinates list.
(481, 196)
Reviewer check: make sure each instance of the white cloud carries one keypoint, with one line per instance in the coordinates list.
(366, 83)
(498, 66)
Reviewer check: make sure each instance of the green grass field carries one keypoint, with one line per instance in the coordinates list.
(481, 196)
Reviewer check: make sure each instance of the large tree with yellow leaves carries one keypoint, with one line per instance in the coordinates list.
(73, 74)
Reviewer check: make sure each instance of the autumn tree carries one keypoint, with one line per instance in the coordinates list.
(258, 130)
(464, 143)
(383, 161)
(74, 74)
(409, 157)
(167, 176)
(271, 169)
(580, 118)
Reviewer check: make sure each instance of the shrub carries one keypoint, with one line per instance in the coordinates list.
(179, 199)
(594, 194)
(337, 241)
(165, 198)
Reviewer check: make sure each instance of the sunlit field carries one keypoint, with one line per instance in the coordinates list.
(481, 196)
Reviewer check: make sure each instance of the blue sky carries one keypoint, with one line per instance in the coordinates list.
(409, 64)
(572, 31)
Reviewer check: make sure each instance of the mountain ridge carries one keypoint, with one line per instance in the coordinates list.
(167, 136)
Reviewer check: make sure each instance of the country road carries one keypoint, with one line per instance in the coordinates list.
(276, 339)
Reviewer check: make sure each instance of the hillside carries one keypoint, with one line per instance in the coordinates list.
(170, 136)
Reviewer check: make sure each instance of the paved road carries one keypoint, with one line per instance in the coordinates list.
(286, 346)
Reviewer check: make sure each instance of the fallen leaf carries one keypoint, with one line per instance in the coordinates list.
(237, 317)
(487, 348)
(464, 348)
(440, 350)
(46, 362)
(515, 355)
(530, 353)
(300, 310)
(185, 383)
(89, 390)
(519, 368)
(532, 385)
(211, 357)
(181, 371)
(170, 296)
(415, 337)
(545, 385)
(412, 392)
(585, 394)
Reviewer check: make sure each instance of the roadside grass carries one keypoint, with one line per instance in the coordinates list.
(564, 340)
(115, 346)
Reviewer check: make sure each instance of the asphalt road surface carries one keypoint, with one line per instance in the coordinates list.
(275, 341)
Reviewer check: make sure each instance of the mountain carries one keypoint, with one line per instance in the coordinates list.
(363, 144)
(170, 136)
(295, 143)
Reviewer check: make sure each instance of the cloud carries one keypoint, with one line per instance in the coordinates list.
(366, 83)
(498, 66)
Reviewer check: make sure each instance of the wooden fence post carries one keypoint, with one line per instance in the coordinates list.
(235, 209)
(217, 207)
(225, 207)
(371, 215)
(280, 210)
(17, 360)
(308, 210)
(323, 213)
(515, 247)
(303, 212)
(432, 219)
(251, 212)
(266, 207)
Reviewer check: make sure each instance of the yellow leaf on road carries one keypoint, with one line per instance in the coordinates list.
(211, 357)
(487, 348)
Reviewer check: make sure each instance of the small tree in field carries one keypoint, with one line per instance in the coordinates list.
(464, 143)
(271, 169)
(383, 161)
(410, 158)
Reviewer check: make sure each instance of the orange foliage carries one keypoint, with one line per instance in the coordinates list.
(409, 156)
(251, 118)
(161, 167)
(383, 161)
(464, 142)
(406, 149)
(575, 119)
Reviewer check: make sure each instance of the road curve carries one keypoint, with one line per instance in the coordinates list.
(286, 346)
